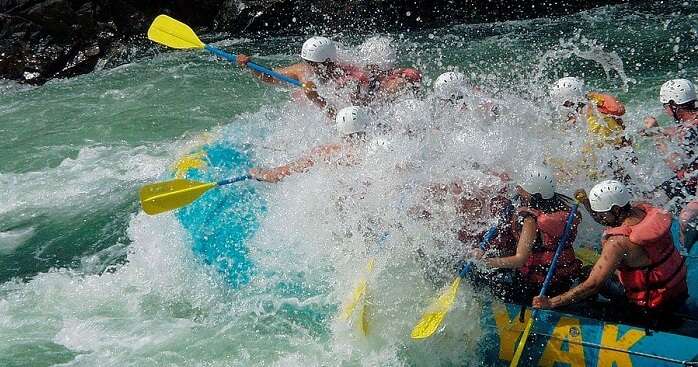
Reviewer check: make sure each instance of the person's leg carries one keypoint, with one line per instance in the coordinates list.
(613, 290)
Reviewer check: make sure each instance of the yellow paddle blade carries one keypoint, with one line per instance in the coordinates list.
(586, 255)
(173, 33)
(363, 319)
(358, 293)
(522, 343)
(165, 196)
(436, 312)
(191, 161)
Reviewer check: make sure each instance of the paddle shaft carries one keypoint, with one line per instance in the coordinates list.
(258, 68)
(233, 180)
(483, 245)
(546, 284)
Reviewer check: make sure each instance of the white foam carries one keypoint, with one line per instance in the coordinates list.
(165, 307)
(98, 175)
(12, 239)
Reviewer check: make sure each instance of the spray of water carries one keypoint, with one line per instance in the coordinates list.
(147, 299)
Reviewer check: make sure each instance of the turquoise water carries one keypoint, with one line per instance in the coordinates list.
(87, 279)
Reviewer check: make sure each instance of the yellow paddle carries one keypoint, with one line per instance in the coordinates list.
(357, 296)
(586, 255)
(359, 293)
(169, 195)
(435, 314)
(173, 33)
(546, 283)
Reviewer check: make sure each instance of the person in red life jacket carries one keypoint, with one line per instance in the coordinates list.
(638, 245)
(502, 212)
(320, 66)
(351, 124)
(491, 206)
(543, 214)
(386, 81)
(477, 203)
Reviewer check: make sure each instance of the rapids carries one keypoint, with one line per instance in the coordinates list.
(87, 279)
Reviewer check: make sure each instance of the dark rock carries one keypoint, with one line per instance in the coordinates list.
(44, 39)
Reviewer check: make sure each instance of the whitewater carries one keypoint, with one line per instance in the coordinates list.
(88, 279)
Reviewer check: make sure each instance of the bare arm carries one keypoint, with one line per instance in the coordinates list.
(298, 72)
(294, 71)
(310, 90)
(614, 250)
(523, 248)
(299, 165)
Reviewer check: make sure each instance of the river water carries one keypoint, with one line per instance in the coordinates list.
(87, 279)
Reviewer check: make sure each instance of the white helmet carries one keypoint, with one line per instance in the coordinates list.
(351, 120)
(319, 49)
(379, 51)
(678, 91)
(539, 180)
(451, 85)
(568, 89)
(606, 194)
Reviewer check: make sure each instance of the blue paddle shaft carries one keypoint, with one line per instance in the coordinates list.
(258, 68)
(558, 251)
(233, 180)
(483, 245)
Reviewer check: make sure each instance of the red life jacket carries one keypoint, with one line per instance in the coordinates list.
(352, 73)
(664, 279)
(551, 227)
(408, 74)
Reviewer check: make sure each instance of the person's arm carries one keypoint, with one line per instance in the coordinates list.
(612, 254)
(292, 71)
(523, 248)
(583, 199)
(651, 128)
(300, 165)
(310, 90)
(279, 173)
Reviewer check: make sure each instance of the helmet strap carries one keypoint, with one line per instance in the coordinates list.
(674, 111)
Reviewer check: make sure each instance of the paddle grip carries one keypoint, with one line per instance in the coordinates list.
(258, 68)
(558, 251)
(233, 180)
(483, 245)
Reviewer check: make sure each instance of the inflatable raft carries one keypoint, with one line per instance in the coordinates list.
(222, 220)
(595, 334)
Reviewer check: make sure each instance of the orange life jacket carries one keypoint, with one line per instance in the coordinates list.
(551, 227)
(610, 108)
(607, 104)
(664, 279)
